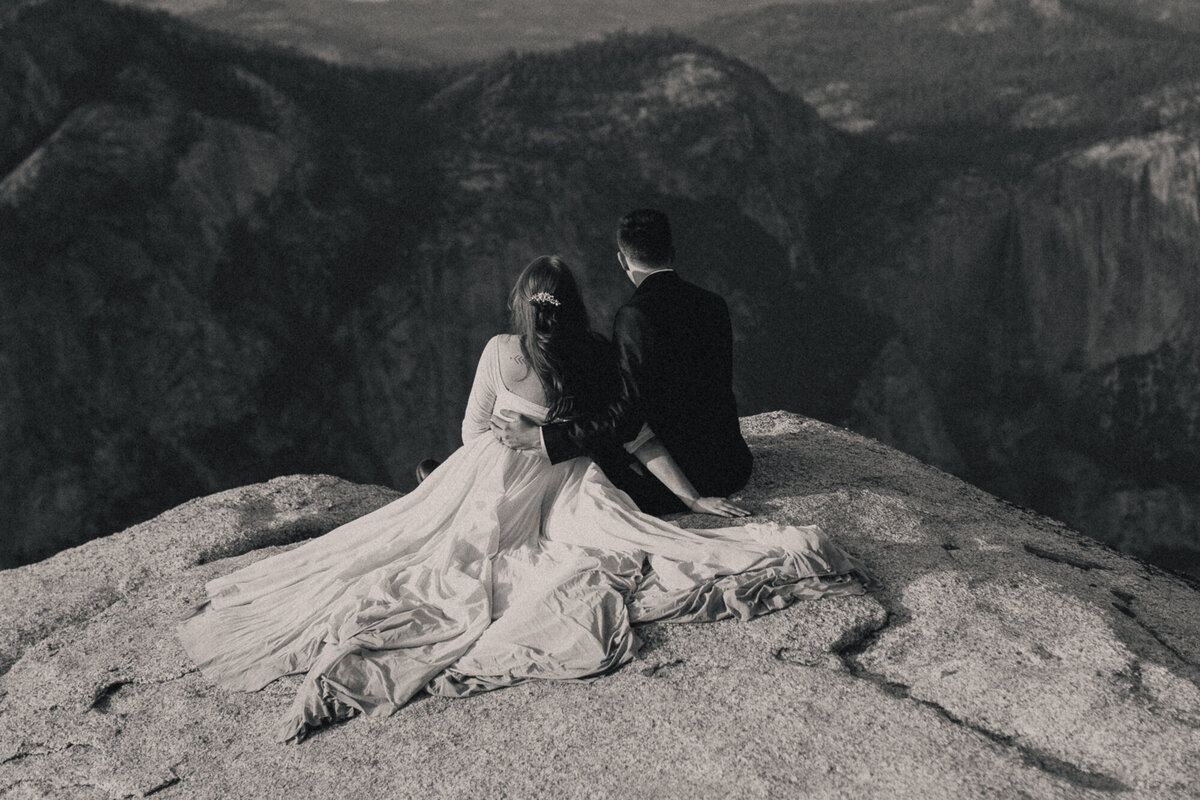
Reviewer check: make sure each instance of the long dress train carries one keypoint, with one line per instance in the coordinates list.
(498, 568)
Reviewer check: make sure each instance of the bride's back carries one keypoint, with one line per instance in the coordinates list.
(516, 373)
(592, 388)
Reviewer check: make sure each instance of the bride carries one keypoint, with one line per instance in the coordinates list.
(500, 567)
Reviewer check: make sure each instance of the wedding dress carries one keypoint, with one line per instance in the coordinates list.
(498, 568)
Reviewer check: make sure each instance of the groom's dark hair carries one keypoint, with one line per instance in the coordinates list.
(645, 235)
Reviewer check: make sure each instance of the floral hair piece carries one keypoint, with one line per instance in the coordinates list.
(543, 298)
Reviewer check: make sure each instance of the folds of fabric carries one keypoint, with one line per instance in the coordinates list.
(575, 628)
(392, 647)
(374, 609)
(498, 569)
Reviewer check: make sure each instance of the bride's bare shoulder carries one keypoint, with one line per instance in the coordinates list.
(513, 366)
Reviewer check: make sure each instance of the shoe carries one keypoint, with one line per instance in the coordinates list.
(425, 467)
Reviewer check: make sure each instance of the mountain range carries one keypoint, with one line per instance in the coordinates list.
(222, 264)
(967, 229)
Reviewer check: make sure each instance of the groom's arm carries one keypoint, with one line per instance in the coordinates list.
(622, 418)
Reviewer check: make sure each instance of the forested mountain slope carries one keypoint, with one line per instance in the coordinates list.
(1022, 201)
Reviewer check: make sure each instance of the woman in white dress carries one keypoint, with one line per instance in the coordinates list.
(499, 567)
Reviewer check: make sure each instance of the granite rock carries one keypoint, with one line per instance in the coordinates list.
(1005, 655)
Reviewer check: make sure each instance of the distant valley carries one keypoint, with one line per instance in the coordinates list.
(405, 33)
(408, 33)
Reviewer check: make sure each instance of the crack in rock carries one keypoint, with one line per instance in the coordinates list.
(167, 783)
(652, 671)
(290, 532)
(797, 655)
(1123, 605)
(1063, 558)
(1031, 756)
(22, 754)
(819, 651)
(6, 789)
(104, 695)
(1123, 596)
(1158, 637)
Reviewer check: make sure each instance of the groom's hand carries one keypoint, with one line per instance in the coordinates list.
(517, 433)
(717, 506)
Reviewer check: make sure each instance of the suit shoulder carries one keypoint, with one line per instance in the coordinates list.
(700, 297)
(631, 313)
(701, 291)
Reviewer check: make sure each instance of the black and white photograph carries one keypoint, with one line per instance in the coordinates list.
(589, 399)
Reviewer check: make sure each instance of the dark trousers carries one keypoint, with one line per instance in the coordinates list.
(645, 489)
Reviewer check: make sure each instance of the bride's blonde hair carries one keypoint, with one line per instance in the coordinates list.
(549, 316)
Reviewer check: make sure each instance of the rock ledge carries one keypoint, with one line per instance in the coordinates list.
(1005, 655)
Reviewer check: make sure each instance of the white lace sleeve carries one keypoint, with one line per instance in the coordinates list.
(478, 417)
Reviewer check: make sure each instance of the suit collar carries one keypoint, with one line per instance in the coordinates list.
(662, 277)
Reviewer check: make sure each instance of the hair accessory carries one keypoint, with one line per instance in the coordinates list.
(544, 298)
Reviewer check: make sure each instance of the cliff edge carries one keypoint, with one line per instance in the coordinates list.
(1006, 655)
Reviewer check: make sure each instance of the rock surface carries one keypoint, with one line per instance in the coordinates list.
(1005, 655)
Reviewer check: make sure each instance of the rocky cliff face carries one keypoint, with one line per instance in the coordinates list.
(1026, 220)
(138, 161)
(1050, 328)
(1004, 654)
(1109, 237)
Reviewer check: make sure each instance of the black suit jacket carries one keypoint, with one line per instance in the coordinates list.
(674, 347)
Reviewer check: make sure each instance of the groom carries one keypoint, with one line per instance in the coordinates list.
(674, 344)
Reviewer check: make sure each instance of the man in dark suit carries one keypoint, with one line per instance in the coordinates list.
(674, 345)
